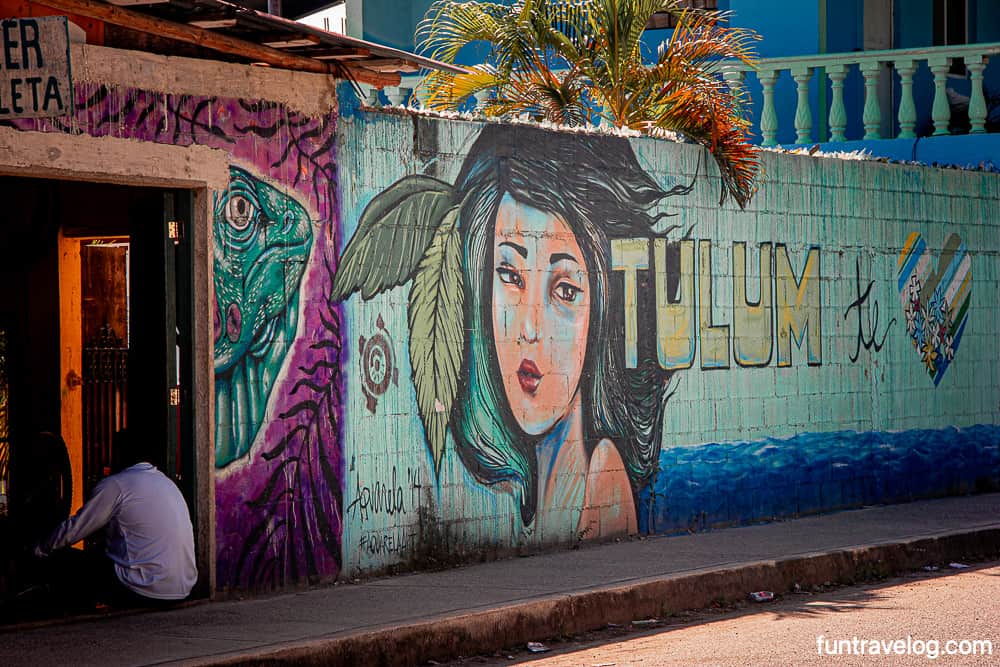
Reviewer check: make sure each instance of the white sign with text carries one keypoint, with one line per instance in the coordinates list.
(35, 79)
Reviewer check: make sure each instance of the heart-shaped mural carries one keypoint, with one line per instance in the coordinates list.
(935, 300)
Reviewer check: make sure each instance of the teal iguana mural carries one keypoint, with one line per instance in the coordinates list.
(262, 241)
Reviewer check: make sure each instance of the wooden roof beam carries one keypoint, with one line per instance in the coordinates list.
(292, 43)
(343, 54)
(389, 65)
(213, 23)
(371, 77)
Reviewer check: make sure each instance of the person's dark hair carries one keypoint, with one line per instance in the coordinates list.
(596, 185)
(127, 450)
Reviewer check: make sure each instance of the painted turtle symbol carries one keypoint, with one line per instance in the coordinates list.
(378, 365)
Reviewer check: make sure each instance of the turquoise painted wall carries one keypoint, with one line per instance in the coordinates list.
(831, 346)
(389, 22)
(987, 20)
(913, 25)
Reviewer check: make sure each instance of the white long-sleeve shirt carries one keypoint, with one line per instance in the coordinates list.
(148, 530)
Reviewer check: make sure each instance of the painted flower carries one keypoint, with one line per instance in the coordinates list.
(918, 327)
(929, 355)
(947, 320)
(937, 305)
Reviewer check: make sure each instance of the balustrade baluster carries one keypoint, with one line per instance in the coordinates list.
(482, 97)
(803, 114)
(838, 115)
(397, 95)
(371, 95)
(768, 114)
(733, 79)
(941, 110)
(872, 116)
(871, 64)
(907, 109)
(977, 102)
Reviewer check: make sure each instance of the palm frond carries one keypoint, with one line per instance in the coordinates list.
(449, 90)
(556, 59)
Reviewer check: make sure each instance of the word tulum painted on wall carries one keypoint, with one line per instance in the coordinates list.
(794, 301)
(583, 360)
(277, 336)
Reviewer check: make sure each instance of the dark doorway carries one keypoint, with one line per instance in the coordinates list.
(95, 313)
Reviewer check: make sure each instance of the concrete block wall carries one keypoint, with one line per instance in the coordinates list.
(860, 370)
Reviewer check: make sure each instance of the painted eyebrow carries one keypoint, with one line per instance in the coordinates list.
(556, 256)
(520, 249)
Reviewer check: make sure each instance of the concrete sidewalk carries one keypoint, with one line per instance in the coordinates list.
(438, 615)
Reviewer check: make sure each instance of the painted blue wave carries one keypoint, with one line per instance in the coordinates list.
(725, 484)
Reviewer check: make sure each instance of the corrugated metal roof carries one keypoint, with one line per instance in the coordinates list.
(256, 36)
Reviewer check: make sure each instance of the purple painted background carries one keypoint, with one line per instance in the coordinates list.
(278, 511)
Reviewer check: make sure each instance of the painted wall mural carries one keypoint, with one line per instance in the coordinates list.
(277, 347)
(935, 301)
(262, 242)
(514, 340)
(437, 339)
(573, 341)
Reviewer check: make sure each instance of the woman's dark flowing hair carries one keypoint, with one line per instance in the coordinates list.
(595, 184)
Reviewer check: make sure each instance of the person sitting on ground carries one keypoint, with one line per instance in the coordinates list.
(149, 540)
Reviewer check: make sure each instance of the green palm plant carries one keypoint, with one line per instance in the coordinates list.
(566, 61)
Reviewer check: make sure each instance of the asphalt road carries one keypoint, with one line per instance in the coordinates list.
(911, 618)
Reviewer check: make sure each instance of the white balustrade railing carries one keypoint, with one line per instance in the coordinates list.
(836, 67)
(870, 63)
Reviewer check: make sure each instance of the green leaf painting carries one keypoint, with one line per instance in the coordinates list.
(392, 236)
(436, 331)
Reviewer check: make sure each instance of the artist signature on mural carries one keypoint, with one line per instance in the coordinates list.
(868, 335)
(385, 497)
(383, 543)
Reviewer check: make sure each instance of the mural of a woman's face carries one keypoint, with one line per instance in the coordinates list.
(541, 313)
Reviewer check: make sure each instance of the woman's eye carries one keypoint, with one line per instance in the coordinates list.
(568, 293)
(240, 212)
(510, 276)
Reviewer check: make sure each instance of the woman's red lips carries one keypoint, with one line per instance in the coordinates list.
(529, 376)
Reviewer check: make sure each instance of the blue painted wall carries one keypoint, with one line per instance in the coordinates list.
(987, 20)
(986, 28)
(970, 151)
(912, 24)
(392, 22)
(843, 25)
(733, 483)
(786, 29)
(844, 34)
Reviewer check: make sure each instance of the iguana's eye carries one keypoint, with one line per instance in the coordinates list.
(240, 211)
